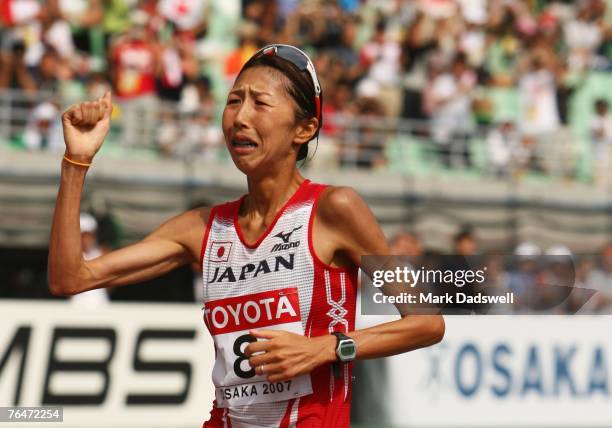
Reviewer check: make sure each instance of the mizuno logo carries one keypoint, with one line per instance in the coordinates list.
(286, 236)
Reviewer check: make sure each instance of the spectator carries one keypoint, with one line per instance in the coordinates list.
(503, 144)
(20, 25)
(365, 143)
(168, 132)
(14, 73)
(52, 72)
(583, 35)
(438, 9)
(504, 47)
(461, 259)
(583, 299)
(247, 46)
(97, 86)
(85, 17)
(601, 137)
(416, 46)
(19, 33)
(192, 135)
(201, 136)
(116, 19)
(89, 243)
(187, 16)
(178, 66)
(554, 284)
(43, 129)
(264, 13)
(464, 242)
(196, 268)
(344, 52)
(58, 35)
(472, 44)
(522, 275)
(206, 99)
(406, 244)
(337, 104)
(497, 283)
(381, 58)
(527, 157)
(600, 280)
(18, 12)
(447, 99)
(35, 28)
(134, 61)
(537, 91)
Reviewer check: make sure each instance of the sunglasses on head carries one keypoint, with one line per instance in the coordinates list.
(298, 58)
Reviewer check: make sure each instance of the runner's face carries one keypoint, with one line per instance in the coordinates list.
(259, 122)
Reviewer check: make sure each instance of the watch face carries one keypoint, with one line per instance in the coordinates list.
(347, 350)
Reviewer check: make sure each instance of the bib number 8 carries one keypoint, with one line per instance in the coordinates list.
(241, 340)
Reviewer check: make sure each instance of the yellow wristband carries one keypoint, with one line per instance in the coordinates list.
(67, 159)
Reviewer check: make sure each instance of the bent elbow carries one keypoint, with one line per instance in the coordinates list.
(63, 286)
(65, 283)
(59, 289)
(438, 328)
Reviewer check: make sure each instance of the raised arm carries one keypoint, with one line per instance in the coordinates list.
(173, 244)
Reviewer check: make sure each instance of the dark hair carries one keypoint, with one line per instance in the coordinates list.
(299, 86)
(465, 232)
(601, 103)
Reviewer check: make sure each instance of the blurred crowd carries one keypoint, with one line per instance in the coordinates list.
(425, 61)
(547, 281)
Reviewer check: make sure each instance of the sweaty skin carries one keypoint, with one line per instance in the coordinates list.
(263, 139)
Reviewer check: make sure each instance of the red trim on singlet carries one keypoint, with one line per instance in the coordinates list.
(328, 408)
(287, 416)
(211, 217)
(317, 196)
(216, 417)
(291, 200)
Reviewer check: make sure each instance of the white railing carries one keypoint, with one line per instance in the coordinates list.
(167, 130)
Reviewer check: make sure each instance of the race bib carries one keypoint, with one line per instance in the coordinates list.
(229, 321)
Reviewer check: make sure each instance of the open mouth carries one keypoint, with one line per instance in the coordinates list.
(241, 143)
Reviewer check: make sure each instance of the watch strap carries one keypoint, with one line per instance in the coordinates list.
(337, 365)
(340, 336)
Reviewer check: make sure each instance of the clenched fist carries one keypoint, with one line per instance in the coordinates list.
(85, 127)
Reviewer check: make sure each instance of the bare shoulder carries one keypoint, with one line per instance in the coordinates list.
(339, 204)
(348, 224)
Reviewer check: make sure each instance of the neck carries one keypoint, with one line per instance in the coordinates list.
(268, 194)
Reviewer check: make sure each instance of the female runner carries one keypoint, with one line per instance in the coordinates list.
(279, 264)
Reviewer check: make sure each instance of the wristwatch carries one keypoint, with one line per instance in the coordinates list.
(346, 348)
(346, 351)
